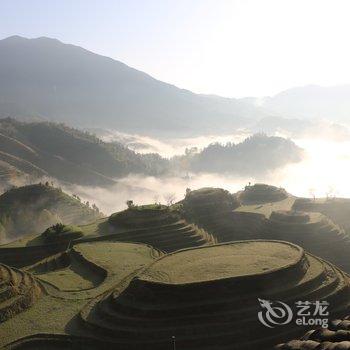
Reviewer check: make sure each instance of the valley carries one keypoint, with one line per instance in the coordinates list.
(174, 175)
(132, 280)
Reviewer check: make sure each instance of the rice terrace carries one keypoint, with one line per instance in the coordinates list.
(190, 274)
(174, 175)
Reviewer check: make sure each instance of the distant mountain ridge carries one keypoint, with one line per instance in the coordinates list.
(46, 79)
(255, 155)
(50, 150)
(310, 102)
(42, 149)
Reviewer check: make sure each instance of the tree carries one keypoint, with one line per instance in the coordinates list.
(156, 199)
(312, 193)
(331, 192)
(56, 229)
(130, 204)
(191, 151)
(169, 198)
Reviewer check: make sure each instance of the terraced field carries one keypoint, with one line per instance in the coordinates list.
(162, 228)
(314, 232)
(335, 337)
(58, 341)
(18, 291)
(151, 275)
(103, 264)
(276, 220)
(208, 297)
(337, 209)
(267, 209)
(226, 220)
(25, 256)
(213, 210)
(262, 193)
(69, 271)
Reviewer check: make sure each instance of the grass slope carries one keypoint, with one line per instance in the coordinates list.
(213, 209)
(160, 226)
(104, 289)
(57, 311)
(314, 232)
(68, 154)
(337, 209)
(334, 337)
(33, 208)
(210, 302)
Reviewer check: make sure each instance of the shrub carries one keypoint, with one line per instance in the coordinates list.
(60, 231)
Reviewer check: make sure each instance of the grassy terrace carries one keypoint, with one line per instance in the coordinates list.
(94, 228)
(210, 301)
(162, 227)
(334, 337)
(18, 291)
(274, 220)
(314, 232)
(266, 209)
(223, 261)
(262, 193)
(135, 279)
(33, 208)
(56, 312)
(215, 210)
(337, 209)
(101, 266)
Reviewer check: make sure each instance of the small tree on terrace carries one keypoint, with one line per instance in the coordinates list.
(330, 193)
(130, 203)
(169, 198)
(312, 192)
(156, 199)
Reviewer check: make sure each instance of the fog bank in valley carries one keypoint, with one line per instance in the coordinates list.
(323, 171)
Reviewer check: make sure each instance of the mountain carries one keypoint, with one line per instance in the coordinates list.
(312, 102)
(302, 128)
(33, 208)
(254, 156)
(41, 149)
(46, 79)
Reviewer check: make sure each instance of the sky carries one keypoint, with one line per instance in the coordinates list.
(233, 48)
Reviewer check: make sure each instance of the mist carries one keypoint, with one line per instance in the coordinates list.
(323, 172)
(171, 146)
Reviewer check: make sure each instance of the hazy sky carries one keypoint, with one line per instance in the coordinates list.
(226, 47)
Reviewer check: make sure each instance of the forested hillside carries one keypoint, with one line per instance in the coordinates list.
(43, 149)
(33, 208)
(55, 150)
(255, 155)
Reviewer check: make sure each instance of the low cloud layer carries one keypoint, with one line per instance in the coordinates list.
(170, 147)
(323, 172)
